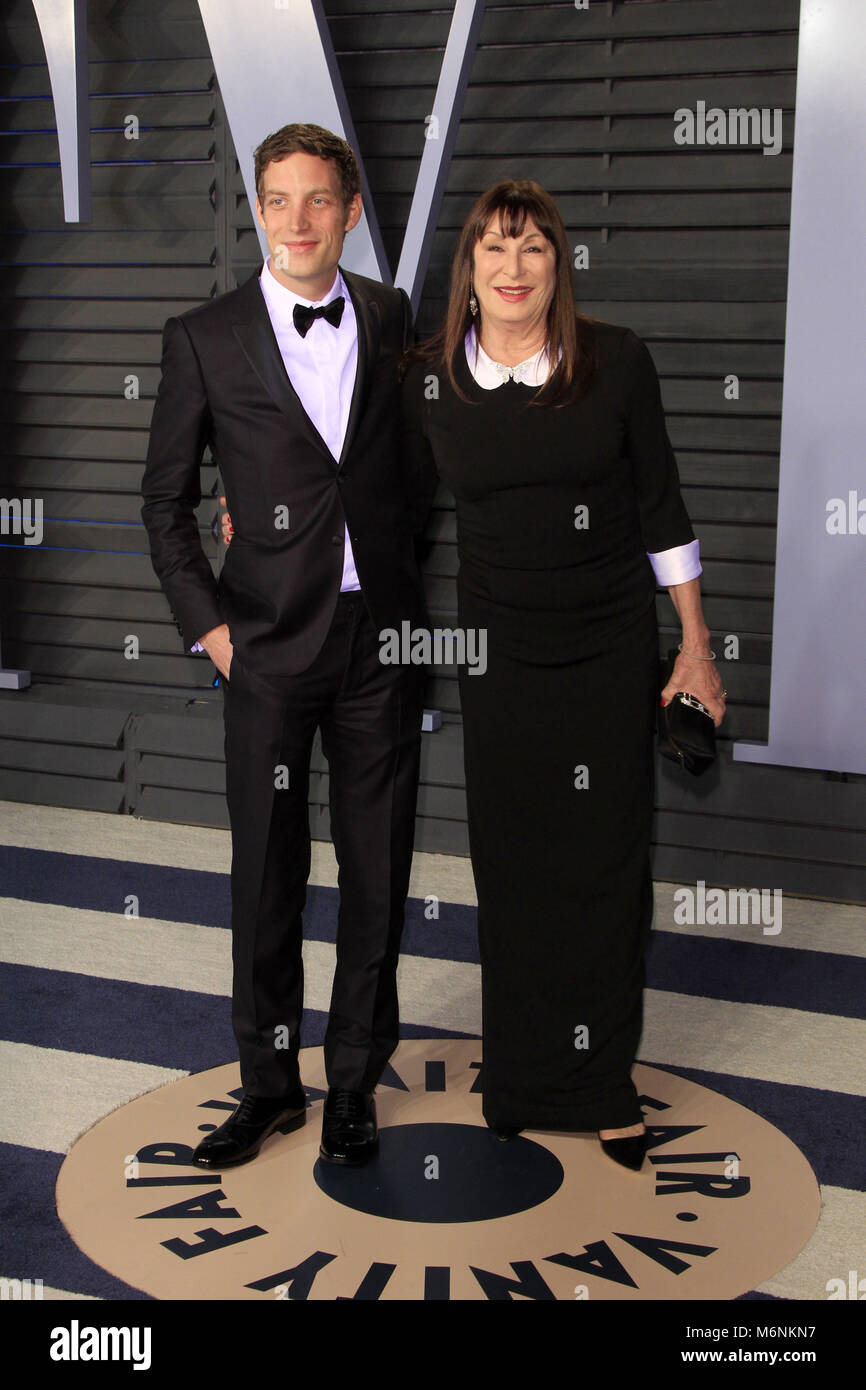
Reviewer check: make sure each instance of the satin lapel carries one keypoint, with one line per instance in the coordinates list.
(367, 317)
(259, 342)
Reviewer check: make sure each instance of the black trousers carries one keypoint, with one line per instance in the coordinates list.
(370, 718)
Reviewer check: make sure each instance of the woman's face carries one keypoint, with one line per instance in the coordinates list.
(514, 277)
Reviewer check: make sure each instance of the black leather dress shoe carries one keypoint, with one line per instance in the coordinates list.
(349, 1131)
(630, 1150)
(244, 1132)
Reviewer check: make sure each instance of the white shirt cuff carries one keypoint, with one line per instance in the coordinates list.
(677, 565)
(197, 648)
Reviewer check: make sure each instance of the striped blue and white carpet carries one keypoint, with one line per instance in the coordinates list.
(116, 967)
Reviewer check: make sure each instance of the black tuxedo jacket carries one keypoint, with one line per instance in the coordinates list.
(224, 383)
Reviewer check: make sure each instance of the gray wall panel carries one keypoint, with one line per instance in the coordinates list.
(688, 248)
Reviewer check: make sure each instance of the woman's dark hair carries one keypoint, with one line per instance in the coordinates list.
(310, 139)
(568, 332)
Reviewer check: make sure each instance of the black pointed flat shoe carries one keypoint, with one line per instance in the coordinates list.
(630, 1151)
(504, 1132)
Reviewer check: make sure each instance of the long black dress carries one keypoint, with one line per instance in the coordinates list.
(558, 731)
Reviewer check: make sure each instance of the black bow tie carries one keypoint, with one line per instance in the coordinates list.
(303, 315)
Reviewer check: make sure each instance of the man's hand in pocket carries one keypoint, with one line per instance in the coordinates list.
(218, 645)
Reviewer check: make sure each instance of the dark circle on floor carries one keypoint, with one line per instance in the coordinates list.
(445, 1172)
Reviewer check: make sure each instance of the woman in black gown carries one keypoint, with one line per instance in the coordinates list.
(548, 429)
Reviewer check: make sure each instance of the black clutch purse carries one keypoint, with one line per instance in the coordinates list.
(687, 734)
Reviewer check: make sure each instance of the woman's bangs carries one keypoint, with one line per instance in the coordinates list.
(513, 212)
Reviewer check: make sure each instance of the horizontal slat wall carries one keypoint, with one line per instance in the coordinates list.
(687, 247)
(84, 309)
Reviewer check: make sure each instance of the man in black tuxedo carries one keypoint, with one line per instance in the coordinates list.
(291, 380)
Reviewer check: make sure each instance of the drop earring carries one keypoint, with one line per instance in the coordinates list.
(473, 302)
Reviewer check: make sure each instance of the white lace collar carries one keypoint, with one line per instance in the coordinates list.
(490, 374)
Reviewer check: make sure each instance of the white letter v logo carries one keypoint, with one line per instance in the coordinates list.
(275, 64)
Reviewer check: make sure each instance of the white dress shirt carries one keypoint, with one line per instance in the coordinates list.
(674, 566)
(321, 367)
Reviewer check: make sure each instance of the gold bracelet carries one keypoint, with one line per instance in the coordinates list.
(694, 655)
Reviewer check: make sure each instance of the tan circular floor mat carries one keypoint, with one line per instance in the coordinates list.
(723, 1201)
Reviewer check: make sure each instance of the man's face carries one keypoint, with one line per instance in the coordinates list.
(302, 213)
